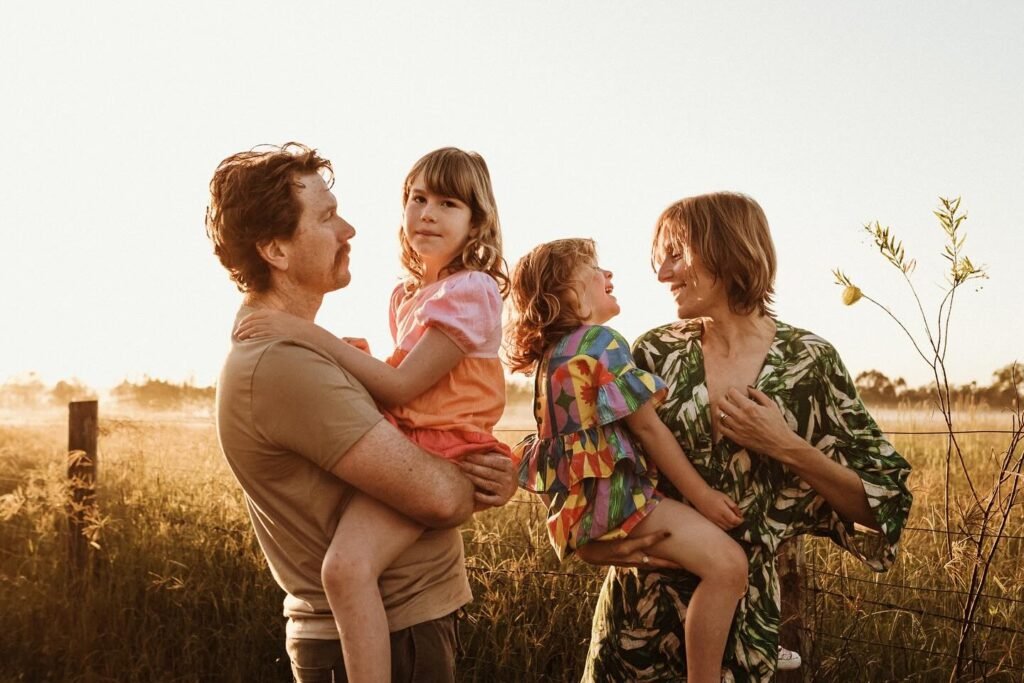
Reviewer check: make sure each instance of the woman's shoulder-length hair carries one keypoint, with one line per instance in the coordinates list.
(729, 231)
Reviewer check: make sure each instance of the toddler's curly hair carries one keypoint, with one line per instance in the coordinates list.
(545, 304)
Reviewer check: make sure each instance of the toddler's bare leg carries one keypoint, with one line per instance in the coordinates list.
(369, 537)
(702, 548)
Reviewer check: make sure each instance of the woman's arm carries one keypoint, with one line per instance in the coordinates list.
(661, 447)
(434, 356)
(755, 422)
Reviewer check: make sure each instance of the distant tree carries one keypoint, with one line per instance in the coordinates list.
(969, 394)
(65, 391)
(875, 388)
(1006, 389)
(22, 391)
(158, 394)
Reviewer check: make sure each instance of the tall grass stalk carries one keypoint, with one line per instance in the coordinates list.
(982, 516)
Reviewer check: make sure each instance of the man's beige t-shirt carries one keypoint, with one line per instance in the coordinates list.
(286, 415)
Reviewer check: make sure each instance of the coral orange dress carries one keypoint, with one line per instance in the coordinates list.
(456, 416)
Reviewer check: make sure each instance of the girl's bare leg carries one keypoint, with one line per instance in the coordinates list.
(703, 549)
(369, 537)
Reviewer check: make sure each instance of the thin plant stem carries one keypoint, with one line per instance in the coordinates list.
(902, 326)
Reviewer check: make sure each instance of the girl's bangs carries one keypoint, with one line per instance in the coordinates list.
(449, 176)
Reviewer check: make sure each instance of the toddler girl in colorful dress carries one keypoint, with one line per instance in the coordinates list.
(599, 442)
(443, 386)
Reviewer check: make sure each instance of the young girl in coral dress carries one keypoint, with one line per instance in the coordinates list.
(443, 386)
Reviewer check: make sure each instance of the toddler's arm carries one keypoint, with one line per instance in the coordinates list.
(432, 358)
(664, 450)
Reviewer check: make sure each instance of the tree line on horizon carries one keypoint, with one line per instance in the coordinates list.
(877, 389)
(29, 391)
(874, 387)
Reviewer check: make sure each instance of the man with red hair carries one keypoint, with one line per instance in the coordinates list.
(300, 434)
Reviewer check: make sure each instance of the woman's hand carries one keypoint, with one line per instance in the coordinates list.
(494, 477)
(756, 423)
(632, 551)
(719, 508)
(271, 323)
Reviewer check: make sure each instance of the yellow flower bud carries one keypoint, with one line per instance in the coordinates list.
(851, 295)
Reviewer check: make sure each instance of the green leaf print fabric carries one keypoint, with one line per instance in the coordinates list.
(638, 623)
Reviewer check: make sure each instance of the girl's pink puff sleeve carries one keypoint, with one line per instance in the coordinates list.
(397, 296)
(467, 308)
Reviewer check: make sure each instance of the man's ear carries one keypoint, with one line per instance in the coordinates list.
(274, 252)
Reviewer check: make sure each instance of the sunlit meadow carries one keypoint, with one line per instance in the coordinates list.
(179, 591)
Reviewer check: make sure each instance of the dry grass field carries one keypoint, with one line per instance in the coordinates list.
(179, 590)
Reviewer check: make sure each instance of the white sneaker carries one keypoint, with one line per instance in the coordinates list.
(788, 660)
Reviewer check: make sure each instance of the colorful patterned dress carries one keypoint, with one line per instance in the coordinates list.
(638, 623)
(583, 456)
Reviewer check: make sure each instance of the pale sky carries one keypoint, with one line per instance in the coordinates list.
(593, 117)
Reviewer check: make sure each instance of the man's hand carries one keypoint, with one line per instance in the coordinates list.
(494, 477)
(633, 551)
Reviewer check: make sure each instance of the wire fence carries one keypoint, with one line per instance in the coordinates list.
(116, 422)
(817, 633)
(818, 584)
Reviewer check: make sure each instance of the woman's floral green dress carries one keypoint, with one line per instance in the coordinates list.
(638, 623)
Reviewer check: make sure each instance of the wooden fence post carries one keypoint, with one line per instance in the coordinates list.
(83, 424)
(795, 632)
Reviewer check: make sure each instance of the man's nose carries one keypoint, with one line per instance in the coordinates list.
(347, 231)
(664, 271)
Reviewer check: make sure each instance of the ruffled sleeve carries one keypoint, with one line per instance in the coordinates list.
(467, 308)
(600, 383)
(854, 439)
(539, 464)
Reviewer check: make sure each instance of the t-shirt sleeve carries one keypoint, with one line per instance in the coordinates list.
(305, 403)
(851, 436)
(603, 379)
(467, 308)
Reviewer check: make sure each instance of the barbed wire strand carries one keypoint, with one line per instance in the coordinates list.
(816, 633)
(904, 608)
(908, 586)
(114, 422)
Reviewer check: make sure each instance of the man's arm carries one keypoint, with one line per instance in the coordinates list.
(385, 465)
(305, 403)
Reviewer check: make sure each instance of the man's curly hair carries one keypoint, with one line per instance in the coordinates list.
(252, 201)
